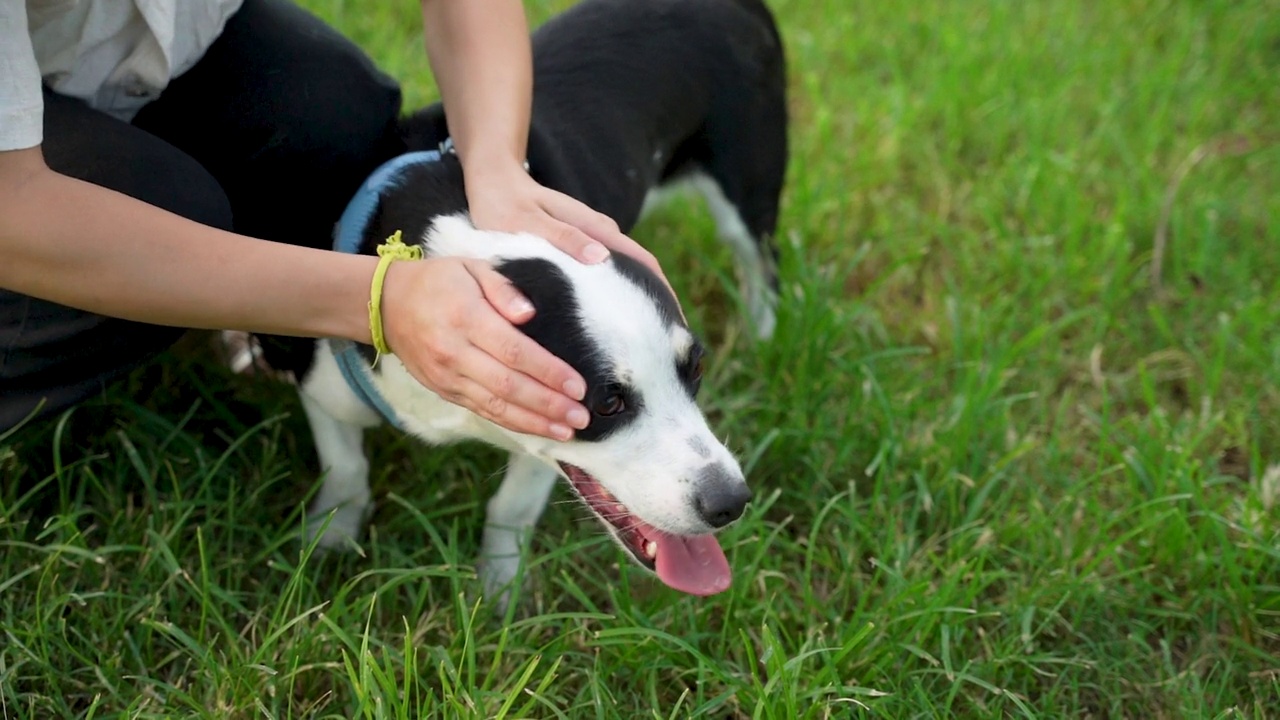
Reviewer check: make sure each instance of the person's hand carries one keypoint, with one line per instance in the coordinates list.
(449, 320)
(507, 199)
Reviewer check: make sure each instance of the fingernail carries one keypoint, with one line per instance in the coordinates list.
(575, 389)
(521, 306)
(578, 418)
(594, 253)
(561, 432)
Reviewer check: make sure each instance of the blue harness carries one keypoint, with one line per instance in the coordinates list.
(347, 238)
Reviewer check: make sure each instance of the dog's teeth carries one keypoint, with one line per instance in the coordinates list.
(651, 549)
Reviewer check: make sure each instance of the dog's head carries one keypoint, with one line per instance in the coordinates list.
(647, 465)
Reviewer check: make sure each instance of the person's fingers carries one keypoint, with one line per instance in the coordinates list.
(602, 228)
(579, 231)
(515, 349)
(624, 244)
(468, 376)
(501, 294)
(606, 231)
(480, 400)
(597, 225)
(572, 241)
(506, 387)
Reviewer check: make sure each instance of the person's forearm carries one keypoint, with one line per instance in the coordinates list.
(81, 245)
(479, 51)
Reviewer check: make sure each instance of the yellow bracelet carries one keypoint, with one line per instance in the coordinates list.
(391, 250)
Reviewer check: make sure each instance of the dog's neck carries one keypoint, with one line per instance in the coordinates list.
(420, 193)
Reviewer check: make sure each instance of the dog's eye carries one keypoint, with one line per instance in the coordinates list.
(611, 404)
(697, 370)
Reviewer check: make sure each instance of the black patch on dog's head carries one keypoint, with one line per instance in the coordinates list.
(556, 326)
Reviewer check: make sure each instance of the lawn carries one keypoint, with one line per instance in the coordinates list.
(1015, 446)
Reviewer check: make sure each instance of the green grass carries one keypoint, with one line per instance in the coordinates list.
(998, 471)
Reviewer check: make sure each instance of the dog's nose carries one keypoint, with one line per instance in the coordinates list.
(721, 496)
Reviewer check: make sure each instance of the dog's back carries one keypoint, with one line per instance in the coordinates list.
(634, 97)
(633, 94)
(676, 86)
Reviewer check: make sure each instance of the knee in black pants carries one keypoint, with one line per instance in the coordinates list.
(290, 117)
(53, 356)
(89, 145)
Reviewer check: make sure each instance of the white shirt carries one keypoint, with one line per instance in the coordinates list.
(116, 55)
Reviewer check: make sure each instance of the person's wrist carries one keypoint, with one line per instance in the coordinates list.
(348, 316)
(495, 191)
(492, 166)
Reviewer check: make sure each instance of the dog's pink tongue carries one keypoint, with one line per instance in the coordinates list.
(695, 565)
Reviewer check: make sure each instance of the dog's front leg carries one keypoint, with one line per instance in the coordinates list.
(511, 515)
(345, 491)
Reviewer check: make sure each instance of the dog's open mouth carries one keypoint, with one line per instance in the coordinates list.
(689, 563)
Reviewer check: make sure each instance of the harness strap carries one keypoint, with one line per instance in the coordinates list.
(347, 239)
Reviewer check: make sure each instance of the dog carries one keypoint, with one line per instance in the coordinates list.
(633, 99)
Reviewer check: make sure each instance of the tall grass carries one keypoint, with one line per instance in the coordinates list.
(998, 471)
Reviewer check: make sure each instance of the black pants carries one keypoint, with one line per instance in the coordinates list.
(269, 134)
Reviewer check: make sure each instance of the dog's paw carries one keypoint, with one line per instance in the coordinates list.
(765, 323)
(342, 531)
(499, 579)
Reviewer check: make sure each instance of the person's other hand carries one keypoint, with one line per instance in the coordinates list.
(509, 200)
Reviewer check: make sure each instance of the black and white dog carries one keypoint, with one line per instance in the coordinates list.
(631, 97)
